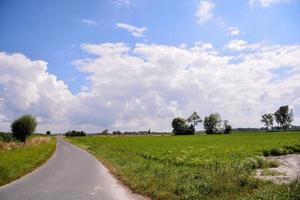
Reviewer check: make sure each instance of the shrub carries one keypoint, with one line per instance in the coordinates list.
(251, 163)
(75, 133)
(266, 153)
(293, 149)
(48, 132)
(278, 151)
(23, 127)
(273, 163)
(6, 137)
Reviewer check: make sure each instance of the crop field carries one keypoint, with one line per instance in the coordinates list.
(195, 167)
(18, 159)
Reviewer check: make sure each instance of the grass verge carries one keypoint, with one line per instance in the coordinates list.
(18, 159)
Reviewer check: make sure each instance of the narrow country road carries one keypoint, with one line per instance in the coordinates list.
(70, 174)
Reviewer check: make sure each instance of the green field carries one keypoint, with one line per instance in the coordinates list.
(17, 159)
(193, 167)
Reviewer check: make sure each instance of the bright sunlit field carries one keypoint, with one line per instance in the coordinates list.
(194, 167)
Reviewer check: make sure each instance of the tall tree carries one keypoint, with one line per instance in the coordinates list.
(268, 120)
(180, 127)
(284, 117)
(212, 123)
(194, 119)
(227, 127)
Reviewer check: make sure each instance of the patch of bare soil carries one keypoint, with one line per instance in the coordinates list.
(288, 170)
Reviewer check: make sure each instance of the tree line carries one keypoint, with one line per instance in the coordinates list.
(283, 116)
(213, 124)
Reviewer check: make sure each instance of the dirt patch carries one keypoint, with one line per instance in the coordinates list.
(288, 170)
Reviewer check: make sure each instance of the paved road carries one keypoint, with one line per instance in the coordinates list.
(70, 174)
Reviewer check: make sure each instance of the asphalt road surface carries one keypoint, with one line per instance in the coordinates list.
(70, 174)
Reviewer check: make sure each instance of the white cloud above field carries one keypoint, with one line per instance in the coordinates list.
(134, 30)
(233, 31)
(27, 87)
(121, 2)
(267, 3)
(204, 11)
(89, 22)
(145, 86)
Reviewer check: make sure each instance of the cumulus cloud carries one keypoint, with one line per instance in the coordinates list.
(89, 22)
(267, 3)
(205, 11)
(27, 87)
(135, 31)
(233, 31)
(151, 84)
(238, 45)
(147, 85)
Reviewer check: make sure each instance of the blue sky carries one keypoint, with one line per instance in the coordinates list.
(53, 30)
(56, 31)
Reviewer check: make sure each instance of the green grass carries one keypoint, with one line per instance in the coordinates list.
(17, 159)
(193, 167)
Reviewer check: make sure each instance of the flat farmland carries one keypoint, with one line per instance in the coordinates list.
(195, 167)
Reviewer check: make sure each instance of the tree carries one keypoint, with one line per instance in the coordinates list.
(268, 120)
(23, 127)
(284, 117)
(227, 127)
(48, 132)
(212, 123)
(180, 127)
(194, 119)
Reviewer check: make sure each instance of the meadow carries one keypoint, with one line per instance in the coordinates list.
(195, 167)
(18, 159)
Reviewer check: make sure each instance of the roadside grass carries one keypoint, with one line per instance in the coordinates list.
(17, 159)
(194, 167)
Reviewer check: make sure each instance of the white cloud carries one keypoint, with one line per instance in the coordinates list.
(233, 31)
(239, 45)
(89, 22)
(267, 3)
(205, 11)
(122, 2)
(27, 87)
(145, 86)
(135, 31)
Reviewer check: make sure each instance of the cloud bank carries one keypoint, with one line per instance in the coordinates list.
(147, 85)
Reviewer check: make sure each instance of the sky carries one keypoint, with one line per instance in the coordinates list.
(135, 65)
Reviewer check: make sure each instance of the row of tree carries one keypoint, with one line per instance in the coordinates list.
(212, 124)
(283, 116)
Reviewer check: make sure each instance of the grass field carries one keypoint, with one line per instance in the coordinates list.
(18, 159)
(193, 167)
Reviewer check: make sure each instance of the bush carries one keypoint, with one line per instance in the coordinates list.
(180, 127)
(278, 151)
(23, 127)
(6, 137)
(48, 132)
(266, 153)
(75, 133)
(251, 163)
